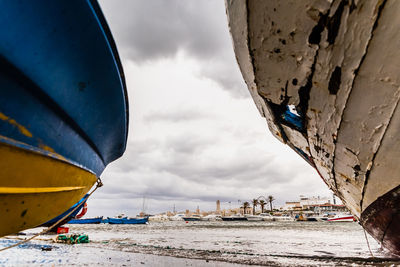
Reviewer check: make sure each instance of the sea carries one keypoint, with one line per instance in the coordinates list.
(217, 243)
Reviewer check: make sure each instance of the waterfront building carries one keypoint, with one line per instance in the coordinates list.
(326, 208)
(306, 202)
(292, 205)
(218, 207)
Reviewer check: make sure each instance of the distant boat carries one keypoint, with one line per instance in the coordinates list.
(211, 217)
(177, 217)
(316, 218)
(234, 218)
(342, 218)
(126, 220)
(95, 220)
(312, 219)
(266, 217)
(283, 218)
(192, 218)
(63, 107)
(254, 218)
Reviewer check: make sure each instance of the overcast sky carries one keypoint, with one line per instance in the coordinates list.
(195, 135)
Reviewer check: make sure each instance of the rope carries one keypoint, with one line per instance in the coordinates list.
(99, 184)
(366, 238)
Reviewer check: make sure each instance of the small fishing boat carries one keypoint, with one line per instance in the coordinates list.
(211, 217)
(126, 220)
(254, 218)
(95, 220)
(177, 217)
(63, 107)
(342, 218)
(234, 218)
(312, 219)
(266, 217)
(192, 218)
(65, 217)
(286, 218)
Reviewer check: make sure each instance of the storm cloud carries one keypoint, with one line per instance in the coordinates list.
(195, 135)
(151, 30)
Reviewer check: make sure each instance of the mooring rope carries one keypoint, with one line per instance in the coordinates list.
(366, 238)
(45, 231)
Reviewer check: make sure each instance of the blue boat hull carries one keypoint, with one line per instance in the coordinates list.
(63, 107)
(128, 221)
(190, 219)
(65, 214)
(96, 220)
(62, 81)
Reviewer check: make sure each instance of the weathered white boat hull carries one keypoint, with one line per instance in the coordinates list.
(337, 64)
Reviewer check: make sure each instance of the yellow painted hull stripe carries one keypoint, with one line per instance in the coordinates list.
(34, 190)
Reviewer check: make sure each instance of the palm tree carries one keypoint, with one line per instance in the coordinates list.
(262, 203)
(270, 199)
(255, 203)
(246, 205)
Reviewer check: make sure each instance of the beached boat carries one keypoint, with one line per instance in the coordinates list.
(126, 220)
(267, 217)
(342, 218)
(325, 75)
(211, 217)
(234, 218)
(63, 108)
(283, 218)
(177, 217)
(254, 218)
(71, 213)
(95, 220)
(192, 218)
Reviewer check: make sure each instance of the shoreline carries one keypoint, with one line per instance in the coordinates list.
(202, 244)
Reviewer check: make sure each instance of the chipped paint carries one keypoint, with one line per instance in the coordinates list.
(47, 148)
(45, 152)
(36, 178)
(337, 63)
(241, 46)
(347, 56)
(20, 127)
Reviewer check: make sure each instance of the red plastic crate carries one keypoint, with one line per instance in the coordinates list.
(62, 230)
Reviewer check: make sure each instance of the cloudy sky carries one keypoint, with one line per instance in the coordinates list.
(195, 134)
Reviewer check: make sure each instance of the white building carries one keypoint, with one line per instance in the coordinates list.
(291, 205)
(312, 201)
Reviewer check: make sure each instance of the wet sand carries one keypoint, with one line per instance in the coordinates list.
(205, 244)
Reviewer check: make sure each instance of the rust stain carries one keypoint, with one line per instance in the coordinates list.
(344, 176)
(20, 127)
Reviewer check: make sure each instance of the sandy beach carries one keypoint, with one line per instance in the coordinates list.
(204, 244)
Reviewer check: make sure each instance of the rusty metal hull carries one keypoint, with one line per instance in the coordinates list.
(325, 76)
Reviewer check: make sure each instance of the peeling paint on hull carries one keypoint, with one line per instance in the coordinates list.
(63, 107)
(336, 63)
